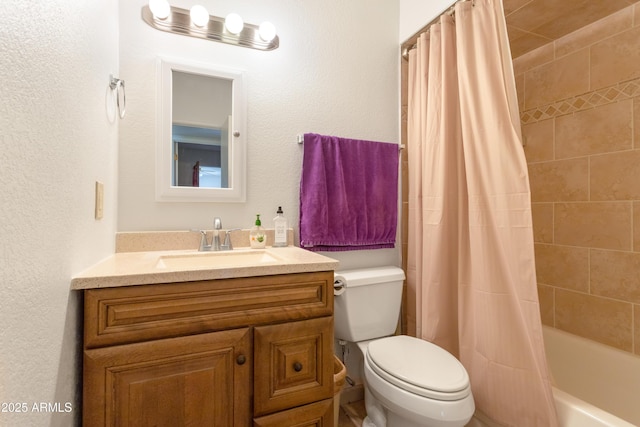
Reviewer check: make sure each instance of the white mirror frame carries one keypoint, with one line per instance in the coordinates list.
(165, 191)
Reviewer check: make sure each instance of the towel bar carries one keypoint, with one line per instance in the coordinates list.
(300, 140)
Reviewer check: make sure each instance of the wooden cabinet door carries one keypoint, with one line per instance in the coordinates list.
(200, 380)
(293, 364)
(319, 414)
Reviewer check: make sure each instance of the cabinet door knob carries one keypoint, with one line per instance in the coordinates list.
(297, 366)
(241, 359)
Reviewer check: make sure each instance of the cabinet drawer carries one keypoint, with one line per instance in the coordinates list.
(293, 364)
(142, 313)
(319, 414)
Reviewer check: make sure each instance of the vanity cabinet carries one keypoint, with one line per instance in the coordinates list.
(227, 352)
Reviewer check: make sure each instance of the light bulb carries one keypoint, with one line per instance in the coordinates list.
(233, 22)
(160, 8)
(267, 31)
(199, 15)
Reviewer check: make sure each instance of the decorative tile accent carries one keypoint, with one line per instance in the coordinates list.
(585, 101)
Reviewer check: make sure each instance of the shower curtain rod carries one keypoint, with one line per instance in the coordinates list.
(451, 11)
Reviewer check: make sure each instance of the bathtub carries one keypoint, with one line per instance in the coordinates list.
(595, 385)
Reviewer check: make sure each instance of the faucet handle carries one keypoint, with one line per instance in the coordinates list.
(204, 246)
(227, 238)
(217, 223)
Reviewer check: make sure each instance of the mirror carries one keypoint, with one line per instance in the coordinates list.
(200, 133)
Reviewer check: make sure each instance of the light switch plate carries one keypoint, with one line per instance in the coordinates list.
(99, 200)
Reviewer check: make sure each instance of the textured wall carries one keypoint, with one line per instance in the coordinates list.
(56, 142)
(580, 108)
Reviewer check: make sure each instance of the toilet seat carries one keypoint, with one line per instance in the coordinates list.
(419, 367)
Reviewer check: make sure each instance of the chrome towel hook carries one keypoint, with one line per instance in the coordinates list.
(117, 86)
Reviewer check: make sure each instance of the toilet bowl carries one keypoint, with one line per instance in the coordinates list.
(409, 382)
(412, 382)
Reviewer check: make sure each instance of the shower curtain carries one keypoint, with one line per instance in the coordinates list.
(471, 271)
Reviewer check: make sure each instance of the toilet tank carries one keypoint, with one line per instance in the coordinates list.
(367, 302)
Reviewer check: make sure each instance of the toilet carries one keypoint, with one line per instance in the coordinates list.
(409, 382)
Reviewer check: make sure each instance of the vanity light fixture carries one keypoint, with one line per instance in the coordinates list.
(198, 23)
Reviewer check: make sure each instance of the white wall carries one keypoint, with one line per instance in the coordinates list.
(336, 72)
(56, 142)
(415, 14)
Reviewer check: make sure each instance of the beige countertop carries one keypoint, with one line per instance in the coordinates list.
(151, 267)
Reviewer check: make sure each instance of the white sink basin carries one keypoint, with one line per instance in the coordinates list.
(223, 259)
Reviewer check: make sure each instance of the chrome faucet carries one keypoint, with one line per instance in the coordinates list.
(215, 241)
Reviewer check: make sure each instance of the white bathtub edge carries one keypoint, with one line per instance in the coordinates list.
(573, 412)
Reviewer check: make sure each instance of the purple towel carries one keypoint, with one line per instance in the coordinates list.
(348, 194)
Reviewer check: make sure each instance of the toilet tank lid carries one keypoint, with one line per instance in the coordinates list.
(368, 276)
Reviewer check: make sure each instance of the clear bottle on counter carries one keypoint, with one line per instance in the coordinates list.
(280, 227)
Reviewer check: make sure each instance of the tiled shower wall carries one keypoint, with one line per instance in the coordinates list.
(580, 111)
(580, 108)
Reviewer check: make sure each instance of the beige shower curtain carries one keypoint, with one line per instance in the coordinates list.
(471, 270)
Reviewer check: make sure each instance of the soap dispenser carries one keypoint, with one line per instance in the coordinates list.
(257, 236)
(280, 227)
